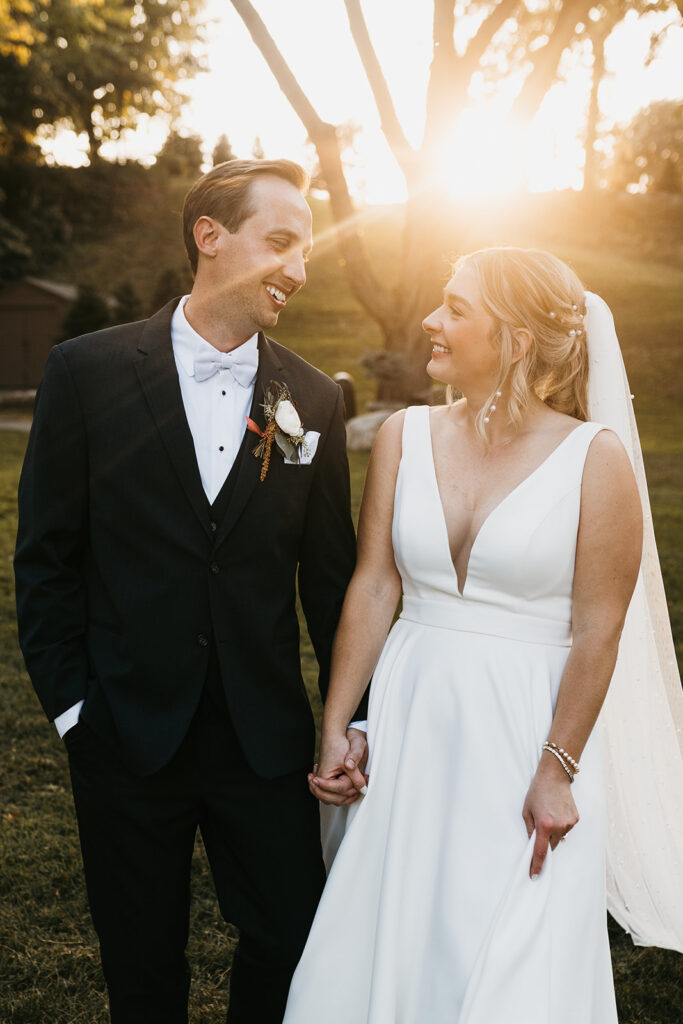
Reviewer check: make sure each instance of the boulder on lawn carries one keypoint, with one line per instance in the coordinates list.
(361, 431)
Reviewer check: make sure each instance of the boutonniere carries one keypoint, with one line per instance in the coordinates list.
(283, 425)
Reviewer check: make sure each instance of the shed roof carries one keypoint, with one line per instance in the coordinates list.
(64, 291)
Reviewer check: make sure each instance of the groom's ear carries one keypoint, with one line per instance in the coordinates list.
(522, 339)
(205, 233)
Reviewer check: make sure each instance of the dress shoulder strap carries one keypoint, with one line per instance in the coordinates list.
(563, 468)
(416, 437)
(579, 440)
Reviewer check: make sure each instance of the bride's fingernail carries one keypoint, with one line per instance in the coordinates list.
(350, 763)
(363, 790)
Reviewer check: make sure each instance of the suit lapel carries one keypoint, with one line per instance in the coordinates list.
(158, 375)
(249, 468)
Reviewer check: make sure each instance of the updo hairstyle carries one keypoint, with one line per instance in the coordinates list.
(532, 289)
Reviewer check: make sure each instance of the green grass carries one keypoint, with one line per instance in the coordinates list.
(49, 967)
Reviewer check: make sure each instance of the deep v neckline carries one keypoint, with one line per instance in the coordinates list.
(494, 510)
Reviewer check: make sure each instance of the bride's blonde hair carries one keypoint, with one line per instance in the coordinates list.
(532, 289)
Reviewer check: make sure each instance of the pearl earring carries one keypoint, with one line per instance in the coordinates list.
(492, 408)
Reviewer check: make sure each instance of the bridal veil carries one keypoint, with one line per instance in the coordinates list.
(642, 719)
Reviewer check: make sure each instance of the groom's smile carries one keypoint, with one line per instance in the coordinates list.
(278, 296)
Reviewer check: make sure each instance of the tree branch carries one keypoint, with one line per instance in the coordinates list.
(548, 57)
(441, 85)
(591, 165)
(391, 126)
(284, 77)
(366, 287)
(450, 75)
(484, 34)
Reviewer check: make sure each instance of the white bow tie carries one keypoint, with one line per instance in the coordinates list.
(242, 364)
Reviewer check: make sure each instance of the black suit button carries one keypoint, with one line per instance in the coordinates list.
(203, 640)
(215, 568)
(213, 526)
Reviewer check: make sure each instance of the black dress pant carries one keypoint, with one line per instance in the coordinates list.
(137, 837)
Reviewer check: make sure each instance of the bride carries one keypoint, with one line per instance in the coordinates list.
(511, 526)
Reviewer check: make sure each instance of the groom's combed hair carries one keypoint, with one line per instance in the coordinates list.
(223, 193)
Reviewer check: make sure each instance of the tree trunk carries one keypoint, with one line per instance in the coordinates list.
(413, 385)
(591, 169)
(430, 237)
(93, 143)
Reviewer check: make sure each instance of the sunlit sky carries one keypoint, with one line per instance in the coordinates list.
(238, 96)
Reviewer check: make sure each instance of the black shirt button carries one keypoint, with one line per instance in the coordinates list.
(221, 448)
(213, 526)
(222, 392)
(215, 568)
(203, 640)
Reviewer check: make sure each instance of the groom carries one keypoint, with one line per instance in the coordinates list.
(156, 570)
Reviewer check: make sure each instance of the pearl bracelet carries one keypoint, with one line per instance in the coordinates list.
(559, 757)
(574, 765)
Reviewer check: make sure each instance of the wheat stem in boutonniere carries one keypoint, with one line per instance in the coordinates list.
(268, 447)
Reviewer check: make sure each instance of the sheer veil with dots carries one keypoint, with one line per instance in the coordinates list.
(642, 719)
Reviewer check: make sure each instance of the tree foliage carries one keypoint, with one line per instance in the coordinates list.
(128, 306)
(89, 312)
(91, 65)
(602, 21)
(649, 151)
(181, 155)
(222, 151)
(170, 283)
(15, 252)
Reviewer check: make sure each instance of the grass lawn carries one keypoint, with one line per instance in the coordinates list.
(49, 967)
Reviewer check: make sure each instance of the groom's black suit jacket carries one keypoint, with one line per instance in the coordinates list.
(127, 578)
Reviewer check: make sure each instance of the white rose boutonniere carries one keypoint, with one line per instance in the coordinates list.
(287, 418)
(283, 425)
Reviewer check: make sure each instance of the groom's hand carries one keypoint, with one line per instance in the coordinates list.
(357, 759)
(329, 781)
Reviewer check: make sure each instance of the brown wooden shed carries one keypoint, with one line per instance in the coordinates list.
(31, 316)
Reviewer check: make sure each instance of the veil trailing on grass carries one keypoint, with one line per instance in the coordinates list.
(642, 719)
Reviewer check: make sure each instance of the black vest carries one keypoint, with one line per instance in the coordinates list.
(215, 514)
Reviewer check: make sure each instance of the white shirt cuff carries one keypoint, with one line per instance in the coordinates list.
(362, 726)
(68, 718)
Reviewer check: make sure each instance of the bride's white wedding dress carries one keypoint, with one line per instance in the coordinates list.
(429, 915)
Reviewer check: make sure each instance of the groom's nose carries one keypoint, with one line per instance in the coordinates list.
(295, 269)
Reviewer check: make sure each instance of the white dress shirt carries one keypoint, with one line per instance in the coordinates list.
(216, 408)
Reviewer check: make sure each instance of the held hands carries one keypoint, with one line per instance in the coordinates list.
(340, 776)
(549, 810)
